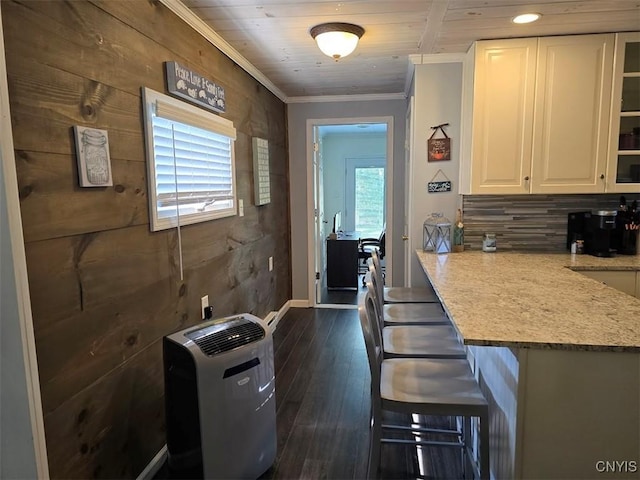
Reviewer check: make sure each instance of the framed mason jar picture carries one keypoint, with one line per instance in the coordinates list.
(92, 153)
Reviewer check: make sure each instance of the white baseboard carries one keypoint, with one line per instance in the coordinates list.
(299, 303)
(337, 306)
(274, 317)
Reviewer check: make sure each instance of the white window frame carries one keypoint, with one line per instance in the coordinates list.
(156, 104)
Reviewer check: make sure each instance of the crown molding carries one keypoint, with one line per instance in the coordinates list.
(442, 58)
(371, 97)
(177, 7)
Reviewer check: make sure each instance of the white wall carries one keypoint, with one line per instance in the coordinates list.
(438, 94)
(298, 114)
(336, 149)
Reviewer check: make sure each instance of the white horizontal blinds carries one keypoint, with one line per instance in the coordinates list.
(196, 148)
(201, 162)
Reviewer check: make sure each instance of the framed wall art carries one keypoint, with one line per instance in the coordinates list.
(92, 153)
(439, 149)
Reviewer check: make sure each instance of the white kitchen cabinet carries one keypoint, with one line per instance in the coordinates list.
(623, 173)
(625, 281)
(541, 111)
(503, 100)
(571, 117)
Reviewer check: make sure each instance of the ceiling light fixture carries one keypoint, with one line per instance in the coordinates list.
(526, 18)
(337, 40)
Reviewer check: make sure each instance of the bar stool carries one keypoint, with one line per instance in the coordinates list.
(424, 387)
(406, 313)
(415, 341)
(402, 294)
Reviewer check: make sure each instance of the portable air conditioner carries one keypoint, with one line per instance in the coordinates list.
(220, 399)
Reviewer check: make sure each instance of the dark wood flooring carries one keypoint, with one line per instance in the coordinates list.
(322, 402)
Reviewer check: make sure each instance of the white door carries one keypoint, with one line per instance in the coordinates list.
(320, 222)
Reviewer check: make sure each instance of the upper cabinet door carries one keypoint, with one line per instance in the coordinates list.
(623, 174)
(503, 115)
(572, 113)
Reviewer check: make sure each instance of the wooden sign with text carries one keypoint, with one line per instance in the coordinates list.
(193, 87)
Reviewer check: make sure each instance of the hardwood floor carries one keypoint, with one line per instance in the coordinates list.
(322, 399)
(323, 402)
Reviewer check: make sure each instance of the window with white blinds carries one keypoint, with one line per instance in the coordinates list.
(190, 156)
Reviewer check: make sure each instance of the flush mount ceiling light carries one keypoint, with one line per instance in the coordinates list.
(526, 18)
(337, 40)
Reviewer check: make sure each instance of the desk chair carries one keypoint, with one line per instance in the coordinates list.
(424, 387)
(366, 248)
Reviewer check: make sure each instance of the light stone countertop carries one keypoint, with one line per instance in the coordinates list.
(533, 300)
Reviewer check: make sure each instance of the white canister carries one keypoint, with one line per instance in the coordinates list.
(489, 242)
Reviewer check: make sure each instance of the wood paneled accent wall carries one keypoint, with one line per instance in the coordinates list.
(528, 222)
(104, 288)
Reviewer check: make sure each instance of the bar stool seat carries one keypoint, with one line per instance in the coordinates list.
(414, 314)
(417, 341)
(401, 294)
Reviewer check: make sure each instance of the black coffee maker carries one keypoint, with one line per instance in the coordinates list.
(596, 228)
(625, 236)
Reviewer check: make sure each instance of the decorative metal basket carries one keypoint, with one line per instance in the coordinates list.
(436, 234)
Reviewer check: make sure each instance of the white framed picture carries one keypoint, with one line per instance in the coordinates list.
(92, 152)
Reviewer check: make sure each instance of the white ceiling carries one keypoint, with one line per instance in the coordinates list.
(273, 35)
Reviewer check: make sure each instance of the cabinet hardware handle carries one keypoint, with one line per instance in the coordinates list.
(602, 176)
(405, 238)
(526, 179)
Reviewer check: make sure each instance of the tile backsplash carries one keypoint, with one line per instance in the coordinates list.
(528, 222)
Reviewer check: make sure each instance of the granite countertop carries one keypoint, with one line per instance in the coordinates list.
(535, 300)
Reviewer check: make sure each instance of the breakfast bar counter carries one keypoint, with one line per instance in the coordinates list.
(557, 355)
(536, 300)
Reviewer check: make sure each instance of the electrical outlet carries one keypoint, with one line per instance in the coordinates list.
(241, 207)
(204, 303)
(270, 263)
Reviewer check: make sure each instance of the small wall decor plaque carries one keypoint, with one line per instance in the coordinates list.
(439, 149)
(92, 153)
(439, 186)
(193, 87)
(262, 187)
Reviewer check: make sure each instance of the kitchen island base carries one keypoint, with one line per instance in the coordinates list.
(560, 413)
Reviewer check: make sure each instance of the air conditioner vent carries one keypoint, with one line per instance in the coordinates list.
(227, 336)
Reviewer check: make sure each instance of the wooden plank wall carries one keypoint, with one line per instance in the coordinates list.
(105, 289)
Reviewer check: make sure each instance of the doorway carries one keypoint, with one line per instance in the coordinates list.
(351, 181)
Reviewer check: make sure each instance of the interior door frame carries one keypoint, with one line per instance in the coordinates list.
(408, 192)
(311, 193)
(29, 424)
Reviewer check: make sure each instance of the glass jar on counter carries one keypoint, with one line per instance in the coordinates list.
(489, 242)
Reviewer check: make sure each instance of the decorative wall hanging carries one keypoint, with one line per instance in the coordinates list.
(92, 154)
(193, 87)
(439, 186)
(439, 149)
(261, 184)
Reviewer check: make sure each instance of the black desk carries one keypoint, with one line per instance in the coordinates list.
(342, 261)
